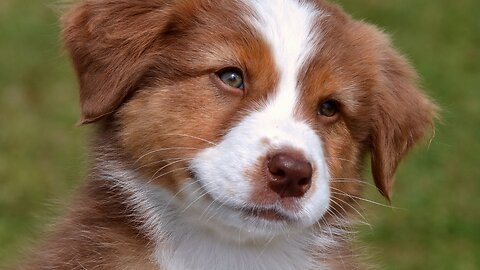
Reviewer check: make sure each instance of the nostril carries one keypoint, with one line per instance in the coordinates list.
(304, 181)
(280, 173)
(276, 171)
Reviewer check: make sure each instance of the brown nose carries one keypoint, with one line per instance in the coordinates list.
(289, 176)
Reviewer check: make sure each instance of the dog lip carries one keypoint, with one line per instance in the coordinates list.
(272, 213)
(266, 214)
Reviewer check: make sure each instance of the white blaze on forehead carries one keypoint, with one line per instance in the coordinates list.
(288, 28)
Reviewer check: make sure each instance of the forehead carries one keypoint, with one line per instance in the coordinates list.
(278, 43)
(285, 29)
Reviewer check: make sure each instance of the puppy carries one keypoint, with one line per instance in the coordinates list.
(230, 134)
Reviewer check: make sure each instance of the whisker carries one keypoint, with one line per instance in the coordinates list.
(342, 214)
(355, 209)
(219, 207)
(366, 200)
(170, 164)
(265, 247)
(193, 137)
(342, 159)
(328, 227)
(207, 209)
(197, 199)
(164, 149)
(338, 218)
(172, 171)
(175, 195)
(352, 180)
(160, 161)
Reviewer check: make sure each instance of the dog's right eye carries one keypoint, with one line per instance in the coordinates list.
(232, 77)
(328, 108)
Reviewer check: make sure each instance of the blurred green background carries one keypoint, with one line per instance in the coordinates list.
(437, 225)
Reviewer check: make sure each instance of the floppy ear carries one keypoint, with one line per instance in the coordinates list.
(109, 44)
(403, 115)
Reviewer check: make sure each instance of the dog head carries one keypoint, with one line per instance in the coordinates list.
(255, 117)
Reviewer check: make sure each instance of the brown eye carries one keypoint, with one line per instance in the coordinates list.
(328, 108)
(232, 77)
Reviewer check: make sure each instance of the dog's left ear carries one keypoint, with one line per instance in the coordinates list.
(402, 116)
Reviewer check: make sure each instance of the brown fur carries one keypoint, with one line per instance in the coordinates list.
(98, 233)
(145, 71)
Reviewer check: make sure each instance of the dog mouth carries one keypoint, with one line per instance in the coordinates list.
(272, 215)
(269, 214)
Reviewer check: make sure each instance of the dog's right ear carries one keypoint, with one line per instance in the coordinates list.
(109, 43)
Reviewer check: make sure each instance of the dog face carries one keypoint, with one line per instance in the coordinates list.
(253, 118)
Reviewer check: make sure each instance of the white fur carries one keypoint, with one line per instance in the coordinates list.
(203, 230)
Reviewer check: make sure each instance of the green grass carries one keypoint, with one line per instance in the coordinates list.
(42, 154)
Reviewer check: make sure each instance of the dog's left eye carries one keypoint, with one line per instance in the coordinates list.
(232, 77)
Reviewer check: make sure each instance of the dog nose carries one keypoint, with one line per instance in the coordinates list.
(289, 176)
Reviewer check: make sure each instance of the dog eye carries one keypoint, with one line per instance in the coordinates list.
(232, 77)
(328, 108)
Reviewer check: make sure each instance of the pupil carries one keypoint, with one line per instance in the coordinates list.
(328, 109)
(233, 79)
